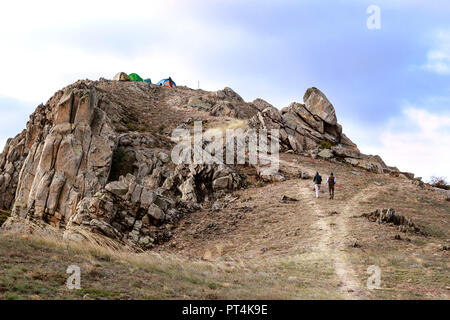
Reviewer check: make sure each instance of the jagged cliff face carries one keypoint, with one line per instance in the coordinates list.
(73, 161)
(95, 158)
(15, 152)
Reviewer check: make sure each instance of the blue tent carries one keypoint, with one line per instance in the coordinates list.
(167, 83)
(148, 80)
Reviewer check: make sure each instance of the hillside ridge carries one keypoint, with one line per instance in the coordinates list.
(95, 159)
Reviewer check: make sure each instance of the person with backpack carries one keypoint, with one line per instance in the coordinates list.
(317, 181)
(331, 181)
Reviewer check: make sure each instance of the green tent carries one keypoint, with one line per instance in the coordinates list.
(135, 77)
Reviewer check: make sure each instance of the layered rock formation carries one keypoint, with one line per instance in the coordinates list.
(224, 102)
(312, 129)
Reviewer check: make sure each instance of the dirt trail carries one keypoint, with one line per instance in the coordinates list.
(332, 220)
(334, 237)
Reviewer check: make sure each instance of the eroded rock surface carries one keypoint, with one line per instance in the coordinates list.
(312, 129)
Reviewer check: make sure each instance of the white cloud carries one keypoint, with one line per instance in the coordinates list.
(2, 144)
(438, 57)
(418, 141)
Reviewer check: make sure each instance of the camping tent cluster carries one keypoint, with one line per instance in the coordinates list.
(122, 76)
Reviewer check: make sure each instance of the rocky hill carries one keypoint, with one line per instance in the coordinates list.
(95, 159)
(95, 165)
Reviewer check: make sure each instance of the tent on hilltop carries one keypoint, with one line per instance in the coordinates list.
(167, 83)
(121, 76)
(135, 77)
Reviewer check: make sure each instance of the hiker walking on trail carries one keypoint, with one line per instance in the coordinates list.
(331, 181)
(317, 181)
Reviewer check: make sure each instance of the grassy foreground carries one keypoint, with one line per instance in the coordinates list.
(35, 268)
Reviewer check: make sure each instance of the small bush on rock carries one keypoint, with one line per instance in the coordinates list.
(325, 145)
(4, 214)
(439, 182)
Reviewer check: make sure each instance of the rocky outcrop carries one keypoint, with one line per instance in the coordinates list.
(127, 212)
(74, 170)
(72, 162)
(261, 104)
(11, 161)
(224, 102)
(17, 150)
(137, 210)
(388, 216)
(317, 103)
(305, 126)
(268, 174)
(312, 129)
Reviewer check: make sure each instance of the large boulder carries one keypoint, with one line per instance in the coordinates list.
(306, 116)
(229, 94)
(261, 104)
(200, 103)
(269, 174)
(326, 154)
(370, 163)
(119, 188)
(317, 103)
(346, 152)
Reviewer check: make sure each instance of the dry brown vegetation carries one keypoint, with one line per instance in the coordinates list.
(4, 214)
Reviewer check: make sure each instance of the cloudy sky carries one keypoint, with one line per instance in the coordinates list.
(390, 86)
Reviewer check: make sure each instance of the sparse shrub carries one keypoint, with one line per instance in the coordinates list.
(439, 182)
(4, 214)
(213, 285)
(131, 126)
(161, 129)
(325, 144)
